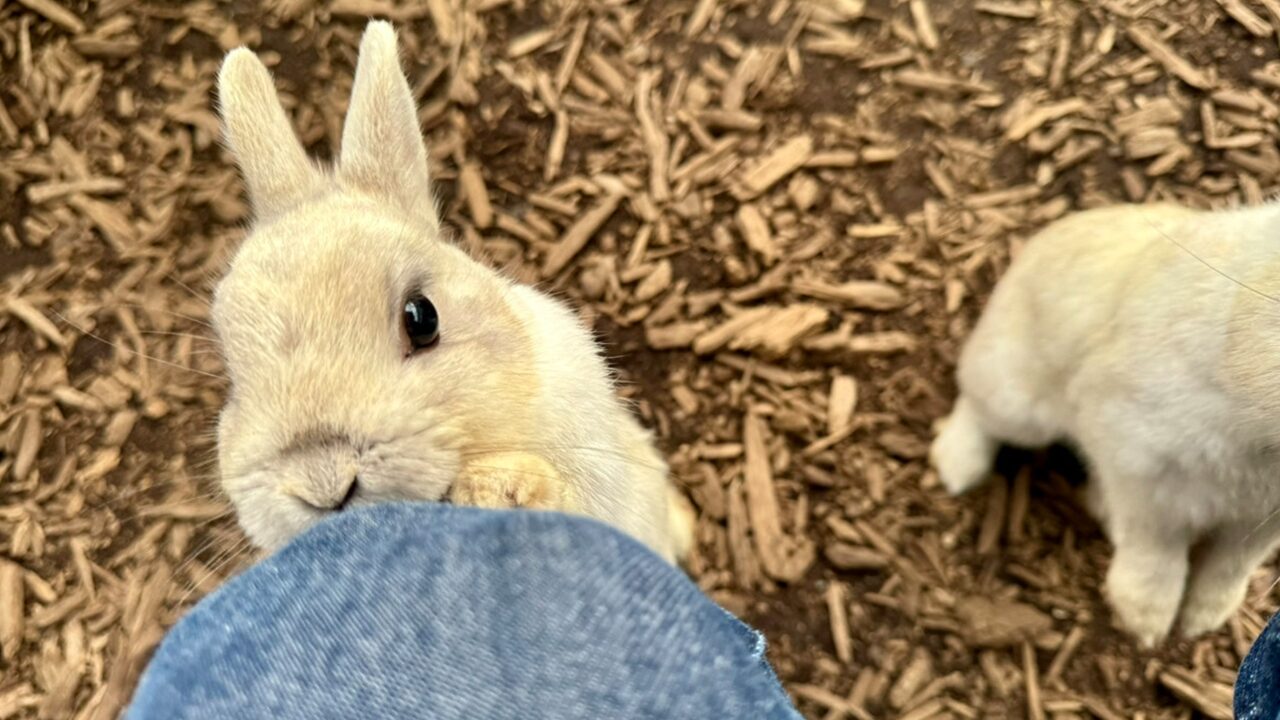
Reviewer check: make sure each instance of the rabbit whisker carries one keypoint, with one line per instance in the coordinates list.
(118, 346)
(1210, 265)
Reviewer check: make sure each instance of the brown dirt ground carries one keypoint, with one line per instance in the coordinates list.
(916, 144)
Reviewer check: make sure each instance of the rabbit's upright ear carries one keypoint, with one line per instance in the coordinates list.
(382, 148)
(274, 163)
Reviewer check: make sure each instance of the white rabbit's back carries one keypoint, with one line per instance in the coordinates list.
(1111, 329)
(1150, 337)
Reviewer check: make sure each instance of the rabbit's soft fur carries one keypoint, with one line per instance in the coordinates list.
(1142, 335)
(513, 407)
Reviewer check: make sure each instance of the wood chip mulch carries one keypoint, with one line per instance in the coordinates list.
(782, 215)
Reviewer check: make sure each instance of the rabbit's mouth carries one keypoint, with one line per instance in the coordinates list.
(282, 497)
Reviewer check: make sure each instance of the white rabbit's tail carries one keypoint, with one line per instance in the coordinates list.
(963, 452)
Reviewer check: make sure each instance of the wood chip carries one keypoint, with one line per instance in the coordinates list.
(58, 611)
(1000, 623)
(655, 139)
(476, 195)
(610, 76)
(12, 609)
(1246, 17)
(1008, 196)
(765, 172)
(190, 510)
(556, 150)
(578, 235)
(745, 73)
(883, 343)
(1165, 55)
(783, 557)
(844, 556)
(861, 294)
(531, 41)
(914, 677)
(769, 373)
(924, 24)
(993, 519)
(1036, 118)
(930, 709)
(46, 191)
(937, 82)
(28, 445)
(1099, 709)
(1019, 502)
(716, 338)
(57, 13)
(1031, 676)
(655, 283)
(27, 313)
(675, 335)
(114, 225)
(115, 48)
(842, 400)
(73, 398)
(746, 565)
(1025, 10)
(445, 21)
(755, 232)
(847, 10)
(876, 230)
(1065, 652)
(839, 616)
(779, 330)
(1214, 701)
(828, 699)
(699, 18)
(10, 377)
(84, 568)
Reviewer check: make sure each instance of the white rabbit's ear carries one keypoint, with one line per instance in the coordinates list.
(382, 148)
(274, 163)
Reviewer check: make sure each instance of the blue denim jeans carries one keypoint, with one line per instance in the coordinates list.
(1257, 695)
(442, 613)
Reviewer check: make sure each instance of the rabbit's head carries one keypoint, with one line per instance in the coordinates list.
(366, 354)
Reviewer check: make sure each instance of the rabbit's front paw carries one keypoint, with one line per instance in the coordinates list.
(509, 480)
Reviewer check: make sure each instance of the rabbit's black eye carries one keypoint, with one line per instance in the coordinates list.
(421, 323)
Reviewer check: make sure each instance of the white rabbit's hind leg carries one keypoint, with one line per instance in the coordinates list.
(1147, 576)
(1220, 574)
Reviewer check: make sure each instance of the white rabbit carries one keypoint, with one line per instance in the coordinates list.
(1144, 336)
(371, 360)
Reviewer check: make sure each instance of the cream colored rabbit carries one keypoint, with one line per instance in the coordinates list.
(1132, 332)
(370, 360)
